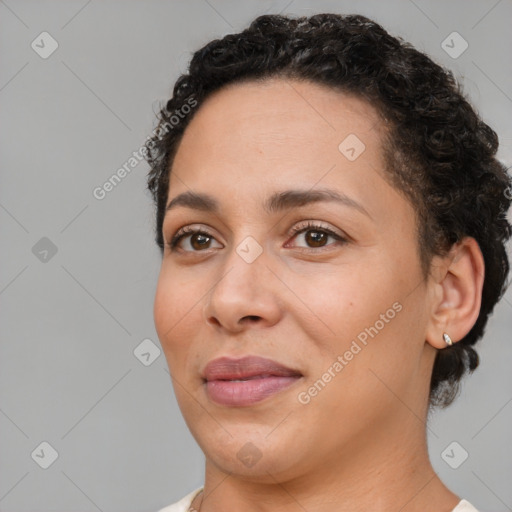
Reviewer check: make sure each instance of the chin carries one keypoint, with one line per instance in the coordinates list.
(252, 463)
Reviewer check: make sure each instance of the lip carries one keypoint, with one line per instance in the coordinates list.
(247, 380)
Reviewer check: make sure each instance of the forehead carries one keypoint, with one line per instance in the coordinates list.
(282, 126)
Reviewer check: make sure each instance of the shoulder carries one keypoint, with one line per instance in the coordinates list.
(464, 506)
(185, 502)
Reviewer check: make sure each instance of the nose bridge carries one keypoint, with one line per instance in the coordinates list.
(242, 270)
(243, 287)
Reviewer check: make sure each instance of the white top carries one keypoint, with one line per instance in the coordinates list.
(184, 504)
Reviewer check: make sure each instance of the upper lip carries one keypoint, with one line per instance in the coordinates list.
(226, 368)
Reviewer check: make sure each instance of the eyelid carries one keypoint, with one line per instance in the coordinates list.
(299, 228)
(312, 225)
(190, 229)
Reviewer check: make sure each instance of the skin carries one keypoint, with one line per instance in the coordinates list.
(360, 443)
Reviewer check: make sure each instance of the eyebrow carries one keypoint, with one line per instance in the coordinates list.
(277, 202)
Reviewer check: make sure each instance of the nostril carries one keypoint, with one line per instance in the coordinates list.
(251, 317)
(212, 320)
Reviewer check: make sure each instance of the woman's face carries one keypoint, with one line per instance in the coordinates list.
(330, 289)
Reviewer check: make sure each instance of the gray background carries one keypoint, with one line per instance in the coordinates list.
(70, 323)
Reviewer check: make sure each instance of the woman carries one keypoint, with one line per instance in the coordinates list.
(332, 220)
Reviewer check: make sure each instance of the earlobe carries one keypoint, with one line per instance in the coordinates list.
(458, 294)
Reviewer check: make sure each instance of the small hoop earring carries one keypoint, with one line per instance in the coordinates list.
(447, 339)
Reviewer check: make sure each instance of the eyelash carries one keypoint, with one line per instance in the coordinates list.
(309, 226)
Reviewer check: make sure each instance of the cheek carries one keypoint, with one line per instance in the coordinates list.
(175, 308)
(342, 301)
(359, 312)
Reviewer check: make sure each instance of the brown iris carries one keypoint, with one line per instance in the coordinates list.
(201, 240)
(315, 238)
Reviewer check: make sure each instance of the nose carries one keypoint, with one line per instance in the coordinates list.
(242, 295)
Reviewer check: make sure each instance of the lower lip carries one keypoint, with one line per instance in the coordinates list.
(246, 392)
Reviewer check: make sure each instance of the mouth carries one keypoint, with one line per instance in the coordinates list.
(246, 381)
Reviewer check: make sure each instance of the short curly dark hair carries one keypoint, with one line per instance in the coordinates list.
(438, 151)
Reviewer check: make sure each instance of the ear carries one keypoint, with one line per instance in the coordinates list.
(456, 282)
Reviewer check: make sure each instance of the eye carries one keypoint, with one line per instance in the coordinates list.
(190, 239)
(315, 235)
(196, 239)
